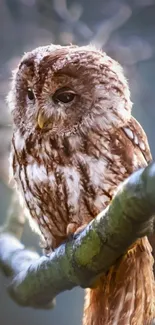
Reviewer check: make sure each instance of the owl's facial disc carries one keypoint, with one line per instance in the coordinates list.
(66, 90)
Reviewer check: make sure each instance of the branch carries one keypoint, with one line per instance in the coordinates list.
(37, 280)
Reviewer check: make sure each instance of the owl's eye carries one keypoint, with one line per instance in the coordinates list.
(30, 94)
(64, 96)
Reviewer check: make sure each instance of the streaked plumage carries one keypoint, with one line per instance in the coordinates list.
(69, 157)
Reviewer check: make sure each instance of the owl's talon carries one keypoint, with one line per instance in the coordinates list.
(73, 230)
(80, 229)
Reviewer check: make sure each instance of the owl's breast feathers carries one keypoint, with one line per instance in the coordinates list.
(72, 179)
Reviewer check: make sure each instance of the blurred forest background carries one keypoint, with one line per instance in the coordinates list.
(126, 31)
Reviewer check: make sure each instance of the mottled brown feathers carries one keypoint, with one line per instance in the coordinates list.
(69, 154)
(122, 294)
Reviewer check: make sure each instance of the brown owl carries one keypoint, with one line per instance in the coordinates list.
(74, 142)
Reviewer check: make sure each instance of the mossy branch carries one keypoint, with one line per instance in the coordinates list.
(37, 280)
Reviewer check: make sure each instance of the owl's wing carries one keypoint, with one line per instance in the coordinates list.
(136, 134)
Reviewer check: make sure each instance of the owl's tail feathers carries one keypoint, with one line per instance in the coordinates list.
(125, 295)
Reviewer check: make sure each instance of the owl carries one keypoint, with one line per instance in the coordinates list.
(74, 141)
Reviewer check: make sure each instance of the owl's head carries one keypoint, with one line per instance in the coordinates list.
(57, 90)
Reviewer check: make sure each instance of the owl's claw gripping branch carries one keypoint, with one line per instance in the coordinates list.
(37, 280)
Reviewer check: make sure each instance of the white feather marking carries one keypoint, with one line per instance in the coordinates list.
(73, 183)
(122, 170)
(41, 221)
(19, 141)
(47, 146)
(51, 178)
(46, 220)
(135, 139)
(129, 133)
(28, 196)
(135, 160)
(142, 146)
(96, 168)
(36, 173)
(30, 159)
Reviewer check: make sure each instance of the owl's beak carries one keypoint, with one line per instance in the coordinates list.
(41, 120)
